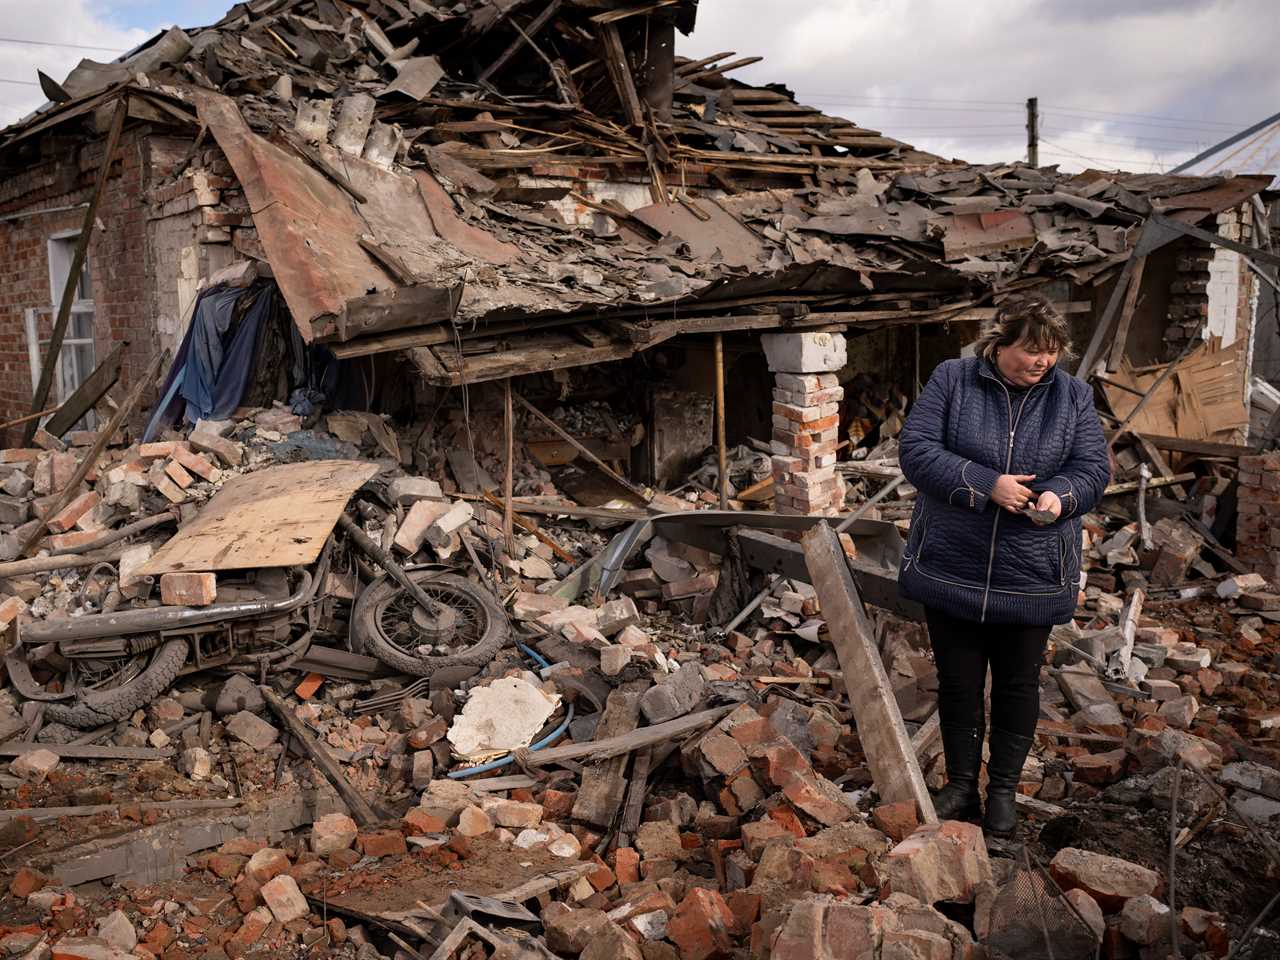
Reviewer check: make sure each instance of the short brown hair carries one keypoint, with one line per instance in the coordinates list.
(1025, 317)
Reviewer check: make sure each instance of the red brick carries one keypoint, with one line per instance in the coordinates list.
(382, 843)
(626, 866)
(188, 589)
(701, 926)
(26, 882)
(69, 515)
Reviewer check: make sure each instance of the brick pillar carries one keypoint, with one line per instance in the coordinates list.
(1258, 514)
(806, 421)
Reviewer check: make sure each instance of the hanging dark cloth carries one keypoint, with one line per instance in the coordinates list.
(215, 361)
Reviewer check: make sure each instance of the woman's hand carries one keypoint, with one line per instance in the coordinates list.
(1009, 492)
(1050, 503)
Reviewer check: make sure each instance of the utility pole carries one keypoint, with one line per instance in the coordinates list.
(1033, 131)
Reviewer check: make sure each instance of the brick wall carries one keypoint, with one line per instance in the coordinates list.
(115, 253)
(1258, 514)
(1214, 289)
(163, 236)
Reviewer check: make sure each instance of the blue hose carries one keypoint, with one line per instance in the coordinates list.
(534, 655)
(545, 742)
(509, 759)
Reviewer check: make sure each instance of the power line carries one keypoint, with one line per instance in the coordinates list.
(1123, 138)
(1007, 103)
(1082, 111)
(21, 83)
(1075, 153)
(1217, 131)
(50, 43)
(851, 102)
(1146, 116)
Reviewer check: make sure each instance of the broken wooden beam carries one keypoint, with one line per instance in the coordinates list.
(360, 808)
(92, 810)
(84, 751)
(616, 746)
(54, 347)
(644, 495)
(91, 458)
(883, 735)
(604, 785)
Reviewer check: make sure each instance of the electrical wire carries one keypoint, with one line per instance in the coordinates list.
(1055, 148)
(50, 43)
(20, 83)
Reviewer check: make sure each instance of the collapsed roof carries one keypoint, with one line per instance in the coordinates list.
(423, 174)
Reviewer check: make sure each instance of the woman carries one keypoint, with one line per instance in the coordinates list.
(989, 437)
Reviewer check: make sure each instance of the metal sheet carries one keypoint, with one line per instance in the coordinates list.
(310, 228)
(720, 234)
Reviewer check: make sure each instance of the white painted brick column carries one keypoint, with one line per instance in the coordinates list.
(806, 420)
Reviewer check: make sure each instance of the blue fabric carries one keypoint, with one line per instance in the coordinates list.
(967, 556)
(221, 358)
(215, 360)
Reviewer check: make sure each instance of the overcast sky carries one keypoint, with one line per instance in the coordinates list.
(1139, 84)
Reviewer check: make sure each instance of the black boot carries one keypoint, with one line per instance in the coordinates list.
(1004, 768)
(959, 799)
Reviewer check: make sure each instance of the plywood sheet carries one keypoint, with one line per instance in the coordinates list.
(1203, 400)
(277, 517)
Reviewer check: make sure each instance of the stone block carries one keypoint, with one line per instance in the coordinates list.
(34, 766)
(943, 861)
(407, 490)
(333, 832)
(804, 353)
(252, 730)
(284, 899)
(1109, 880)
(675, 696)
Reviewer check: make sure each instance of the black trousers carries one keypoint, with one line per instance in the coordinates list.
(965, 649)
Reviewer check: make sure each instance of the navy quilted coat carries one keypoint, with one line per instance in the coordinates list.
(966, 555)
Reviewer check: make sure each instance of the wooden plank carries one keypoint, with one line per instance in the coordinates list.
(538, 358)
(92, 389)
(391, 310)
(1126, 316)
(361, 811)
(1158, 461)
(277, 517)
(1103, 326)
(95, 452)
(641, 737)
(52, 351)
(86, 751)
(636, 792)
(1131, 486)
(881, 732)
(604, 784)
(1203, 448)
(165, 806)
(615, 61)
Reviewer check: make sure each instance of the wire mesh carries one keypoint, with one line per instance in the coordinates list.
(1031, 919)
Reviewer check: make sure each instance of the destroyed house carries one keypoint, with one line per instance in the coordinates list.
(423, 196)
(427, 638)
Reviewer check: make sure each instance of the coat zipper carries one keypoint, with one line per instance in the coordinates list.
(1008, 464)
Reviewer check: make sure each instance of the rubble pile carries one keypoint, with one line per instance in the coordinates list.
(616, 773)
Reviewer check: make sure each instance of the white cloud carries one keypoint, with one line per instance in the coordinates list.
(51, 21)
(952, 77)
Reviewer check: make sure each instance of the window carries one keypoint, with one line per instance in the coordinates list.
(76, 360)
